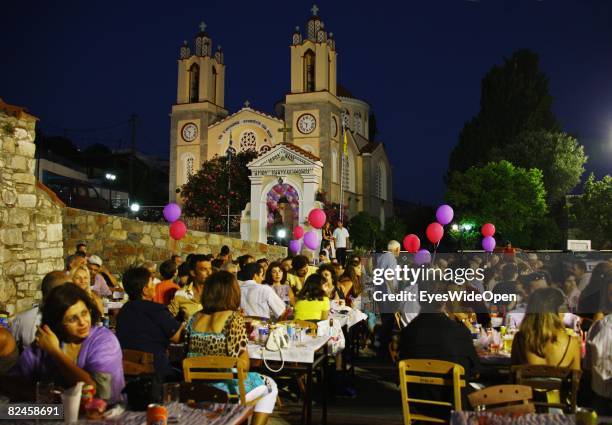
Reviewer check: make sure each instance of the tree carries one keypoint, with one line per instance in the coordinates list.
(591, 213)
(512, 198)
(365, 231)
(514, 99)
(395, 229)
(559, 155)
(205, 192)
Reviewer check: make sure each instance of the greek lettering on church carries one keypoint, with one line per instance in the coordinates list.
(283, 172)
(243, 122)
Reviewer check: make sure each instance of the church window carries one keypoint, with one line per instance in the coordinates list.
(194, 83)
(309, 71)
(334, 165)
(213, 93)
(248, 141)
(357, 122)
(382, 217)
(346, 118)
(348, 172)
(381, 181)
(188, 166)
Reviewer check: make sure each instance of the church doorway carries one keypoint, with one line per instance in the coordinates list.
(283, 209)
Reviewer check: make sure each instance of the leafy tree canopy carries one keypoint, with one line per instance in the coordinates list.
(591, 213)
(514, 99)
(512, 198)
(364, 230)
(205, 193)
(560, 157)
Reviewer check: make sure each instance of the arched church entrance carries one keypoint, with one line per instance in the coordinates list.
(283, 208)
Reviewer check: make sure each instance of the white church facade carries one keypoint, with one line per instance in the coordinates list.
(301, 151)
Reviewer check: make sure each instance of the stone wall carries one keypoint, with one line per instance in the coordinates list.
(30, 215)
(122, 242)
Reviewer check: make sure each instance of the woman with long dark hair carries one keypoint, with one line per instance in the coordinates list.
(277, 278)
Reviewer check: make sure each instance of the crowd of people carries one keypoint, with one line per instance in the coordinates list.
(562, 316)
(202, 301)
(205, 299)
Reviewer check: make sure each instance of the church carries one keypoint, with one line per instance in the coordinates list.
(316, 143)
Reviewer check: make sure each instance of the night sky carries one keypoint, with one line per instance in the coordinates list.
(81, 65)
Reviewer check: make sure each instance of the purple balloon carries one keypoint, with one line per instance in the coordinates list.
(422, 256)
(311, 240)
(172, 212)
(444, 214)
(295, 246)
(488, 243)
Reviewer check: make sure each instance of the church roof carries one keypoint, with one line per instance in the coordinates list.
(370, 147)
(246, 108)
(299, 150)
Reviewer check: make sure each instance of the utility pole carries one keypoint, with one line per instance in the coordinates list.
(132, 121)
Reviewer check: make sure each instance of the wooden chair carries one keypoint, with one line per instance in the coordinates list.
(197, 392)
(546, 379)
(137, 362)
(503, 399)
(218, 368)
(430, 372)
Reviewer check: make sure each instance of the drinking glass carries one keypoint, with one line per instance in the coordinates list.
(172, 399)
(45, 392)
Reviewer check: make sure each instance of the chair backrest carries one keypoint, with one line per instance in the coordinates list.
(545, 378)
(137, 362)
(199, 392)
(503, 399)
(430, 372)
(216, 368)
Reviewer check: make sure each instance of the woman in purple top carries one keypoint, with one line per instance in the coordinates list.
(69, 349)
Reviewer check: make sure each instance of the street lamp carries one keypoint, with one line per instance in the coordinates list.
(110, 177)
(135, 207)
(229, 153)
(455, 227)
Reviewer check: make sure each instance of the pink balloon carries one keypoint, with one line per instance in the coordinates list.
(295, 246)
(298, 232)
(412, 243)
(172, 212)
(488, 229)
(317, 218)
(311, 240)
(422, 256)
(444, 214)
(178, 230)
(434, 232)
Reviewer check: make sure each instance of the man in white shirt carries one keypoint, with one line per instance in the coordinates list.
(98, 284)
(256, 299)
(341, 236)
(24, 325)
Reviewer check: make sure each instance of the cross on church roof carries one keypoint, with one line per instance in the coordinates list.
(314, 10)
(202, 26)
(284, 130)
(247, 104)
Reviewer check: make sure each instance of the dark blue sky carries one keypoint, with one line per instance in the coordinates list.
(86, 64)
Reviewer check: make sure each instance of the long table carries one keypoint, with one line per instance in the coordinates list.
(307, 358)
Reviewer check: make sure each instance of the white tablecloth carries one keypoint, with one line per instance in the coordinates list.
(349, 320)
(294, 353)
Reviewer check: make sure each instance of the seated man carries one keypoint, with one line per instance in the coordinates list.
(98, 283)
(256, 299)
(23, 326)
(300, 272)
(186, 301)
(433, 335)
(165, 290)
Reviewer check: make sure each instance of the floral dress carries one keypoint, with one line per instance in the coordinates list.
(231, 341)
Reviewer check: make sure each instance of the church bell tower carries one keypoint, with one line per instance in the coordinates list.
(312, 110)
(200, 102)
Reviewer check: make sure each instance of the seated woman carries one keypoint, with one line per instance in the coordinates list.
(145, 325)
(9, 354)
(219, 330)
(81, 277)
(69, 347)
(542, 338)
(329, 282)
(277, 278)
(312, 301)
